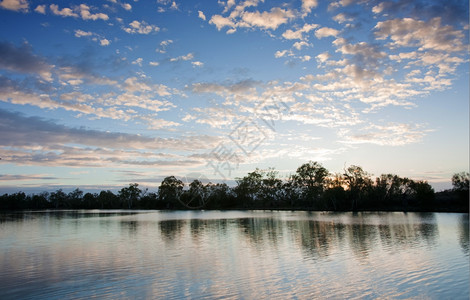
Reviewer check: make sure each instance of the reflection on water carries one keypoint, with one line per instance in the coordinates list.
(238, 254)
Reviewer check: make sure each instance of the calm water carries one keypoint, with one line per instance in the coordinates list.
(236, 254)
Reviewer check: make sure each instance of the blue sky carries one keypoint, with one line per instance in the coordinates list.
(99, 94)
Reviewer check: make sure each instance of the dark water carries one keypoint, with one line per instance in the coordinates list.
(233, 255)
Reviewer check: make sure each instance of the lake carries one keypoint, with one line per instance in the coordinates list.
(233, 255)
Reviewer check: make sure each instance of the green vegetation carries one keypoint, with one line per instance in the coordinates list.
(312, 187)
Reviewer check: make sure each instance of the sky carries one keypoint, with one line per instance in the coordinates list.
(100, 94)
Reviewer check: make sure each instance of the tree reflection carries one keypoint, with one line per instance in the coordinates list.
(171, 229)
(464, 233)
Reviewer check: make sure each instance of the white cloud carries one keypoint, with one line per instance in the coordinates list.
(104, 42)
(307, 6)
(188, 56)
(290, 34)
(323, 57)
(15, 5)
(197, 63)
(221, 22)
(267, 20)
(126, 6)
(94, 37)
(342, 18)
(325, 32)
(163, 46)
(65, 12)
(86, 15)
(430, 35)
(141, 28)
(392, 134)
(279, 54)
(80, 33)
(40, 9)
(82, 11)
(299, 45)
(201, 15)
(154, 63)
(239, 18)
(138, 61)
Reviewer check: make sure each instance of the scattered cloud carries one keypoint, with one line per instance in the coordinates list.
(325, 32)
(201, 15)
(307, 6)
(290, 34)
(21, 59)
(242, 18)
(430, 35)
(86, 15)
(386, 135)
(126, 6)
(28, 141)
(15, 5)
(197, 63)
(188, 56)
(141, 28)
(40, 9)
(64, 12)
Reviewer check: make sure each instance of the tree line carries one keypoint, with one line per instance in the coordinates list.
(312, 187)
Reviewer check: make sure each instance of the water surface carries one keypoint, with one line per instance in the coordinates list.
(233, 255)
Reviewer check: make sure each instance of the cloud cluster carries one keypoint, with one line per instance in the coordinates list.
(94, 37)
(80, 11)
(15, 5)
(33, 140)
(141, 27)
(241, 17)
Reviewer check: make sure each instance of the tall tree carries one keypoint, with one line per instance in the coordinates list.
(170, 190)
(311, 178)
(130, 195)
(358, 182)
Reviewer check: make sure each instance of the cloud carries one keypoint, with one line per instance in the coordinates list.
(325, 32)
(15, 177)
(141, 28)
(40, 9)
(290, 34)
(21, 59)
(81, 33)
(163, 46)
(393, 134)
(65, 12)
(240, 18)
(267, 20)
(282, 53)
(299, 45)
(86, 15)
(15, 5)
(82, 11)
(94, 37)
(430, 35)
(307, 6)
(104, 42)
(138, 61)
(201, 15)
(197, 63)
(37, 141)
(186, 57)
(451, 11)
(126, 6)
(240, 87)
